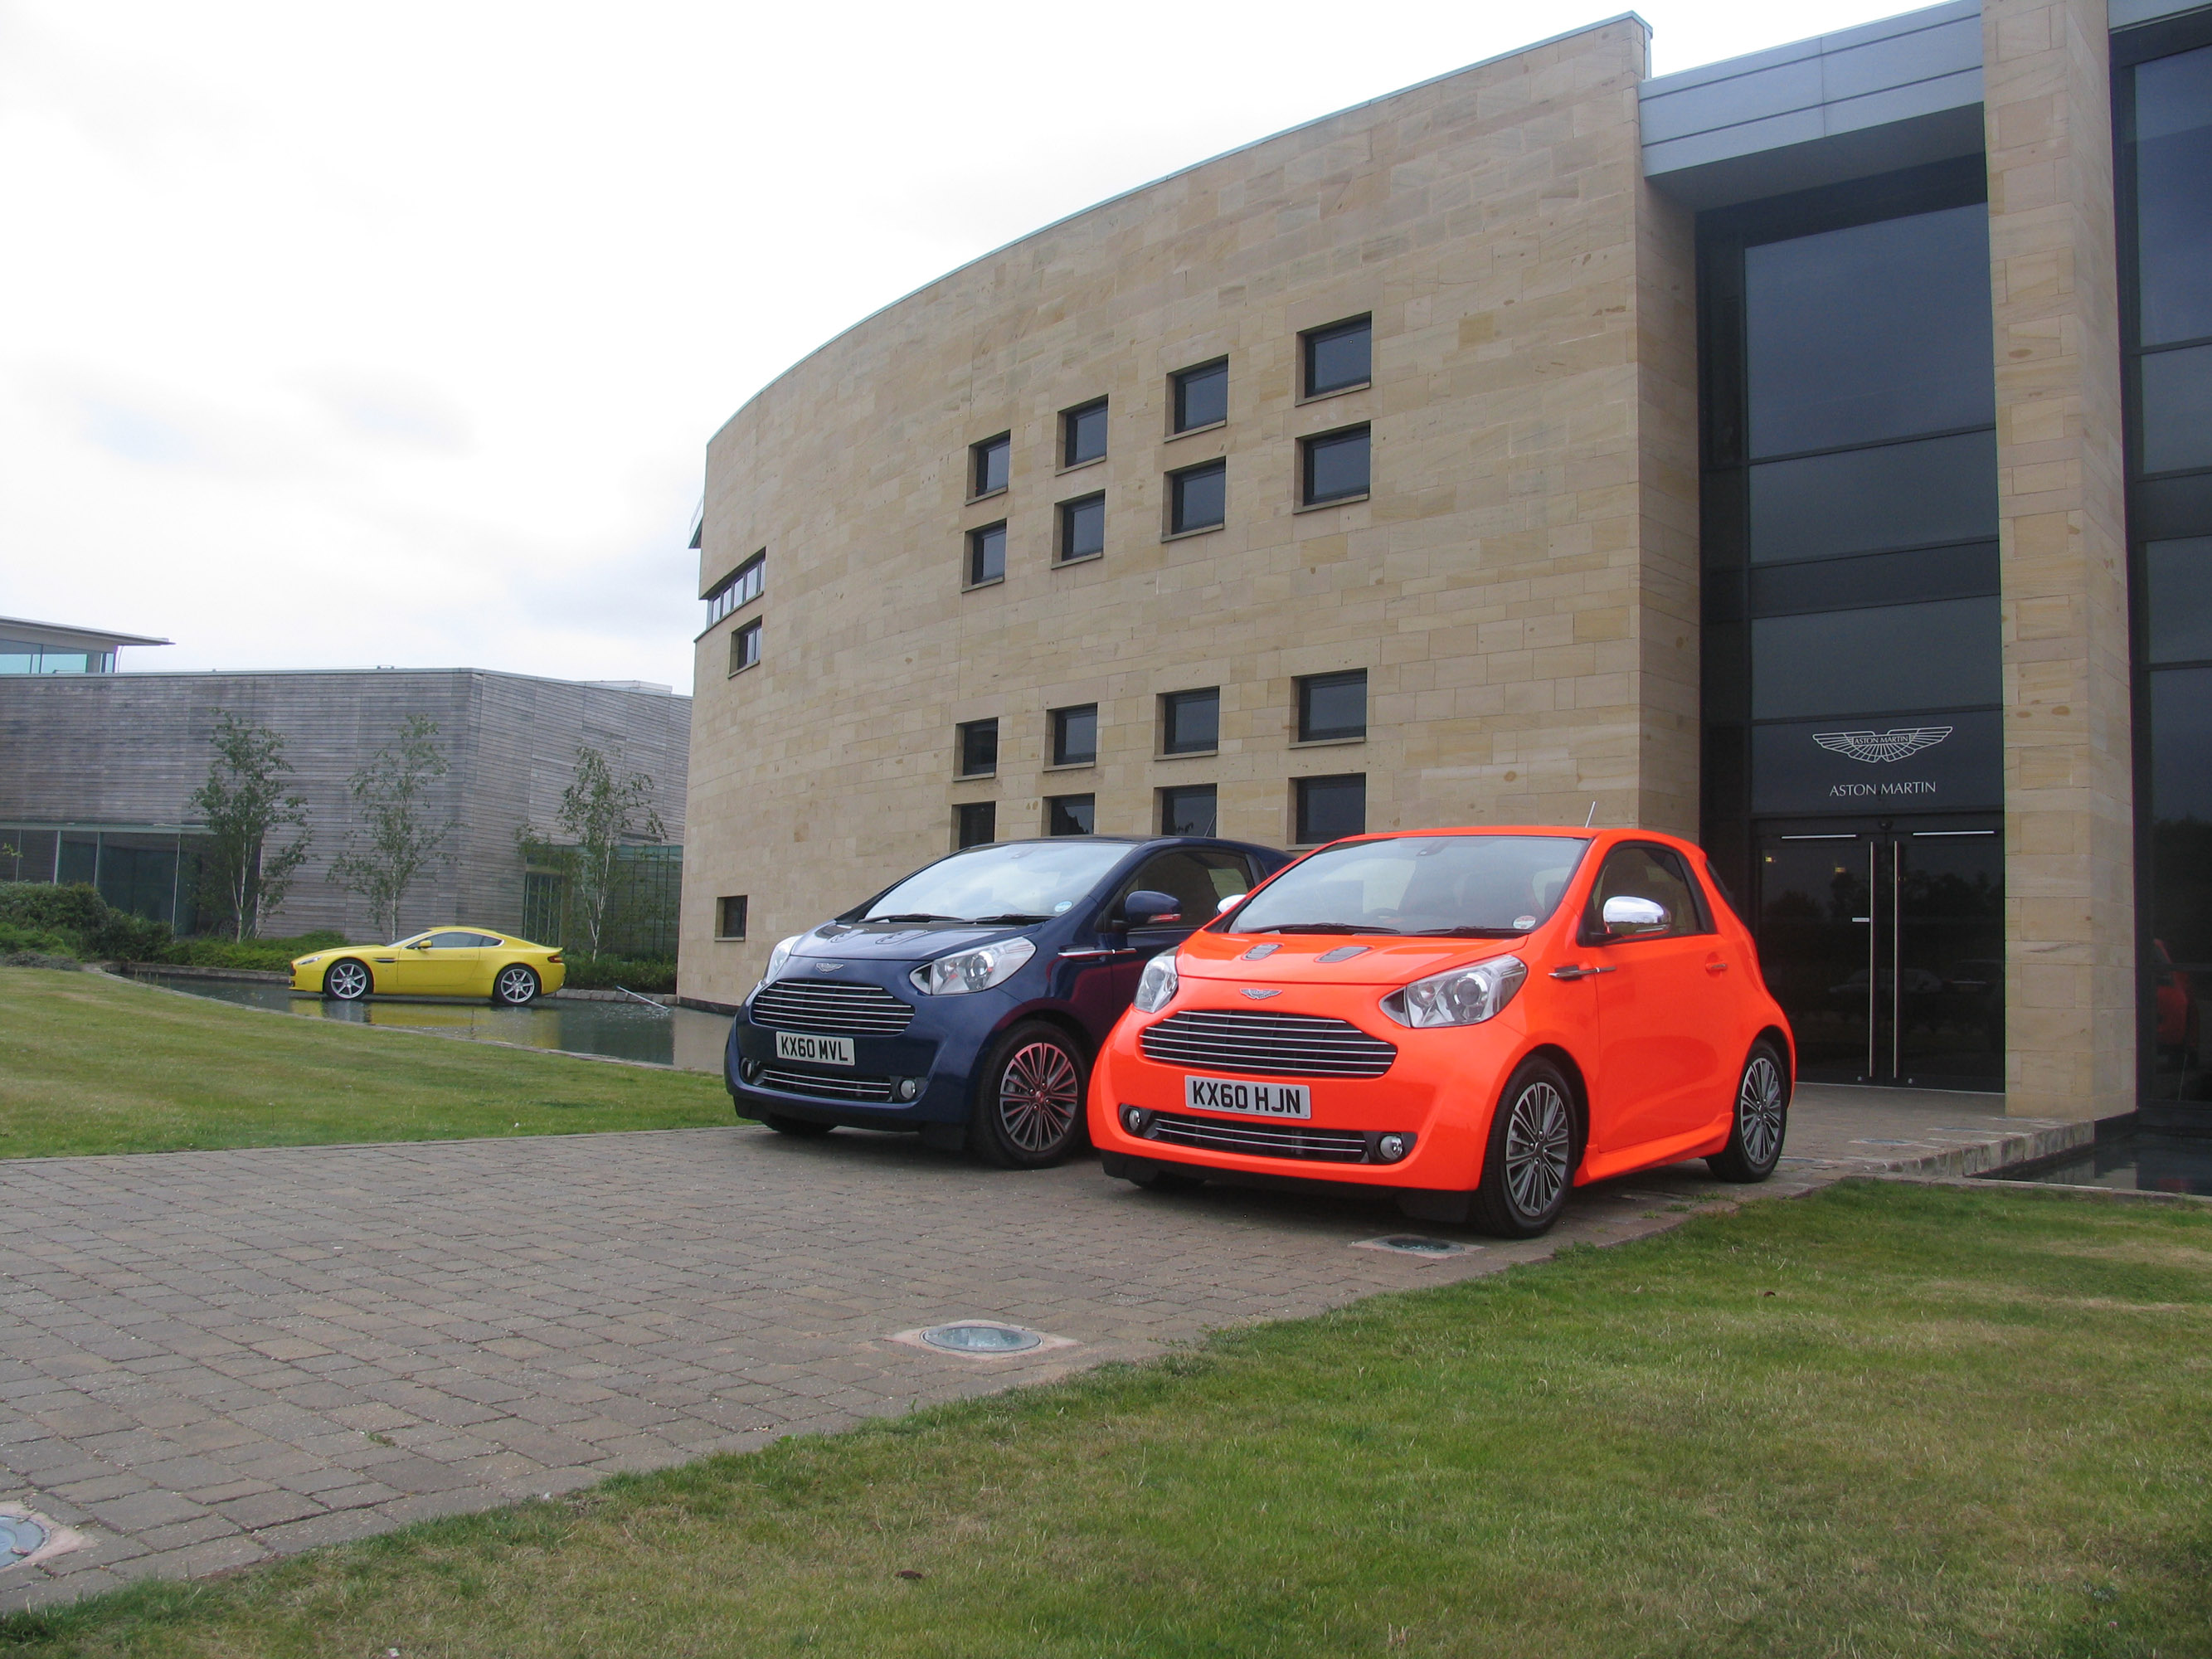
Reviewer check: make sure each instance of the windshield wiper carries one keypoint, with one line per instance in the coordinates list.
(1471, 933)
(918, 916)
(1325, 927)
(1010, 916)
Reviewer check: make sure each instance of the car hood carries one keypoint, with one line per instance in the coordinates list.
(1333, 958)
(893, 941)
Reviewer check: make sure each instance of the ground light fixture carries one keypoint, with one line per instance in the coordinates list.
(975, 1336)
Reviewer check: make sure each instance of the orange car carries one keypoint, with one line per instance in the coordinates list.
(1477, 1019)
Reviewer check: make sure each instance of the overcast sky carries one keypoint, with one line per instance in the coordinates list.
(341, 335)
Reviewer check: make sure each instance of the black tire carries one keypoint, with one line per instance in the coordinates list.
(1029, 1098)
(1762, 1117)
(798, 1128)
(1529, 1167)
(514, 987)
(348, 980)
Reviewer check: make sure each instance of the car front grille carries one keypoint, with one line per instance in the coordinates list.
(837, 1008)
(1261, 1139)
(1275, 1045)
(823, 1086)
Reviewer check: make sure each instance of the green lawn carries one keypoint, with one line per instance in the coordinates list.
(89, 1065)
(1882, 1420)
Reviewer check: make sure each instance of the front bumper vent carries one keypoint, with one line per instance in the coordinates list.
(835, 1009)
(824, 1086)
(1260, 1140)
(1273, 1045)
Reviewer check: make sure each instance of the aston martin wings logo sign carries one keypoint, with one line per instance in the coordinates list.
(1881, 748)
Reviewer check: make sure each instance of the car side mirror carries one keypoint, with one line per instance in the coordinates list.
(1230, 903)
(420, 945)
(1629, 917)
(1145, 908)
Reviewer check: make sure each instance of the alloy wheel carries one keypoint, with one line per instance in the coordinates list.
(1040, 1093)
(1539, 1140)
(1758, 1108)
(517, 985)
(347, 981)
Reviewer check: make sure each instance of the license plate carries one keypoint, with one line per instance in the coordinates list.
(817, 1050)
(1221, 1094)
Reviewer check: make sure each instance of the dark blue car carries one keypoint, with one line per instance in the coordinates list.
(967, 1001)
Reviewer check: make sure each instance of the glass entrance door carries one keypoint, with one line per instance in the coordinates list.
(1886, 948)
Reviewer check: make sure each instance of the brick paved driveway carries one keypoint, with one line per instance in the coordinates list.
(209, 1358)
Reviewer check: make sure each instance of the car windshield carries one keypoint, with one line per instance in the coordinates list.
(1030, 880)
(1462, 886)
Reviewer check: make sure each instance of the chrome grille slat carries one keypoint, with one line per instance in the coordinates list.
(1261, 1139)
(827, 1087)
(1274, 1045)
(834, 1009)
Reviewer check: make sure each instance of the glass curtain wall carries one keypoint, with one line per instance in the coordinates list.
(2163, 106)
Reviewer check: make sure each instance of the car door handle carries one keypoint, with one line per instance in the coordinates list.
(1576, 970)
(1092, 956)
(1717, 967)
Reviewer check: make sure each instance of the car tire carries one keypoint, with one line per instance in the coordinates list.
(348, 980)
(1029, 1098)
(1529, 1167)
(516, 987)
(1761, 1118)
(798, 1128)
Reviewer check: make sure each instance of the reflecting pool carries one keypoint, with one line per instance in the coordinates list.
(682, 1037)
(2142, 1162)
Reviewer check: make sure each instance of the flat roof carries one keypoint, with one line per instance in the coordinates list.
(80, 639)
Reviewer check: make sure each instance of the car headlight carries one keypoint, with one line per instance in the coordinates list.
(777, 957)
(1464, 996)
(1156, 988)
(307, 962)
(978, 969)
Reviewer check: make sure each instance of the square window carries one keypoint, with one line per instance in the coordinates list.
(1082, 434)
(1082, 529)
(1339, 357)
(1070, 815)
(987, 554)
(975, 823)
(1201, 396)
(986, 465)
(730, 916)
(745, 647)
(1334, 465)
(1190, 721)
(1075, 735)
(1198, 497)
(1333, 706)
(979, 749)
(1330, 808)
(1188, 811)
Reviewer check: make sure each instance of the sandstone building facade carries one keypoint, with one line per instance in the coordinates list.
(1781, 453)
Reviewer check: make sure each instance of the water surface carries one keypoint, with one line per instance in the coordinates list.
(2142, 1162)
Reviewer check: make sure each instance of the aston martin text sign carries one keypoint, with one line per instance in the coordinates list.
(1927, 761)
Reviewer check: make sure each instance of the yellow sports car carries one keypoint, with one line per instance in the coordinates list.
(446, 961)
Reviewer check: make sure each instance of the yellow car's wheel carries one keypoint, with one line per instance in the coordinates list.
(347, 980)
(515, 987)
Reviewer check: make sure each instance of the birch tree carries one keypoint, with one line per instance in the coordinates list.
(244, 804)
(603, 813)
(396, 840)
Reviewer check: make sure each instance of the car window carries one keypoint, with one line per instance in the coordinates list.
(1198, 880)
(1657, 873)
(1033, 877)
(454, 941)
(1475, 885)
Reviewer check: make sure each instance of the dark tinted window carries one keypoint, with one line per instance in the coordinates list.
(1188, 811)
(1877, 331)
(1199, 498)
(1190, 721)
(1201, 396)
(979, 749)
(1069, 815)
(987, 554)
(1911, 494)
(1197, 879)
(1333, 706)
(1895, 657)
(2180, 608)
(745, 647)
(1657, 873)
(1339, 355)
(1330, 807)
(1082, 528)
(974, 822)
(2177, 409)
(988, 463)
(1075, 735)
(1924, 573)
(730, 916)
(1335, 466)
(1082, 434)
(2173, 196)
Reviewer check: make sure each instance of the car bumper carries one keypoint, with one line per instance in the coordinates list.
(935, 1063)
(1441, 1090)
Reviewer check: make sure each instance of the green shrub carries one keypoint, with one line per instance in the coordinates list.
(643, 974)
(35, 941)
(76, 909)
(264, 955)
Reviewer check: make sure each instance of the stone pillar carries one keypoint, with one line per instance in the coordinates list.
(2069, 876)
